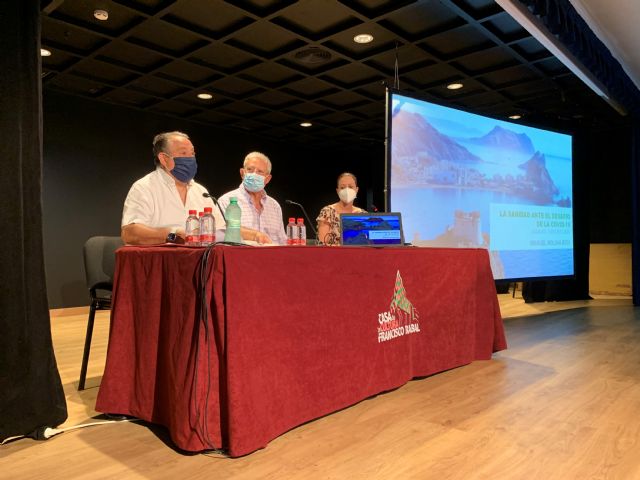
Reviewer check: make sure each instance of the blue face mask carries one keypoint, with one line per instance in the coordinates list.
(253, 182)
(185, 168)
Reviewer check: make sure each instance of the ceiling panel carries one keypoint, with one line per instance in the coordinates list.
(81, 13)
(211, 18)
(69, 38)
(157, 86)
(223, 58)
(271, 64)
(132, 57)
(316, 19)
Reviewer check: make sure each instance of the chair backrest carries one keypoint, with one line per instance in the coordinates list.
(100, 261)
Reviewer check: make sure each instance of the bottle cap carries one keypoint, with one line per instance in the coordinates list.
(233, 200)
(292, 220)
(200, 214)
(192, 212)
(300, 220)
(208, 209)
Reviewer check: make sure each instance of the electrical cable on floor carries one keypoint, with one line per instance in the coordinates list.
(45, 433)
(215, 453)
(10, 439)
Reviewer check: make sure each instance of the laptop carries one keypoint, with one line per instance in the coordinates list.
(382, 229)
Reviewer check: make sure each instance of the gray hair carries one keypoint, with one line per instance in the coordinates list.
(161, 142)
(259, 155)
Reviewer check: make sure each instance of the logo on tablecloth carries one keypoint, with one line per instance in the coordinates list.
(401, 318)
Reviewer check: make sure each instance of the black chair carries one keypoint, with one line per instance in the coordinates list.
(99, 265)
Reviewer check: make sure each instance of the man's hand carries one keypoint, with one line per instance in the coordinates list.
(262, 238)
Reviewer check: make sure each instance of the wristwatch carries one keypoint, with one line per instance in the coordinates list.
(172, 236)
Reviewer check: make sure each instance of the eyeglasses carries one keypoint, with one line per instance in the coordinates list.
(253, 170)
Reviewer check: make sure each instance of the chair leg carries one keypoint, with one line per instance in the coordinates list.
(87, 344)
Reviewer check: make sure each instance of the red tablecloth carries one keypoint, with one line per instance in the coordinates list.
(291, 334)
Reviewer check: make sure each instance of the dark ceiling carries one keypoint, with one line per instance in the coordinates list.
(271, 64)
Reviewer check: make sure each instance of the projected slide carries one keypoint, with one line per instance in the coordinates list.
(464, 180)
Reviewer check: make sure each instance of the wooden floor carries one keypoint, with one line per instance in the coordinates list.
(562, 402)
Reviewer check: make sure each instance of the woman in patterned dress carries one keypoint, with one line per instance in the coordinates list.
(329, 218)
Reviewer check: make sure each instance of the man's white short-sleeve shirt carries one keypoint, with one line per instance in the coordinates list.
(154, 201)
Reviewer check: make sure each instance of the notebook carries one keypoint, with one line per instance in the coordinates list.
(372, 229)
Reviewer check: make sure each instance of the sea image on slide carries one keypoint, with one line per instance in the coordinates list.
(464, 163)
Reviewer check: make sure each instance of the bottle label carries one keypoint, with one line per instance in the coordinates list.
(208, 238)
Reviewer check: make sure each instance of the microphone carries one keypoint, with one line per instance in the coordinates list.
(215, 200)
(313, 229)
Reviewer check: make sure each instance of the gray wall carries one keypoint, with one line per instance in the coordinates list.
(94, 151)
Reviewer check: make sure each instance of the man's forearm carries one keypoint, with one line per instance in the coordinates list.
(254, 235)
(138, 234)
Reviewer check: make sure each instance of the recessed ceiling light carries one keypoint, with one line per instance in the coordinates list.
(306, 124)
(45, 53)
(363, 38)
(101, 15)
(205, 96)
(455, 86)
(515, 117)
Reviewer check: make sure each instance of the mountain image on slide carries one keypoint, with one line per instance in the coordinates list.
(502, 160)
(504, 139)
(540, 186)
(414, 135)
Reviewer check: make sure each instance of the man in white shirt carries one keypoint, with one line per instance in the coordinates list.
(259, 211)
(158, 204)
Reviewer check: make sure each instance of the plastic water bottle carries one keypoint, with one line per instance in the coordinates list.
(207, 227)
(200, 214)
(233, 214)
(192, 229)
(302, 232)
(292, 232)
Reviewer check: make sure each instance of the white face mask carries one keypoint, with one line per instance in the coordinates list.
(347, 195)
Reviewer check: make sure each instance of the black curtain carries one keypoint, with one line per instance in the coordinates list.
(31, 395)
(564, 22)
(576, 288)
(635, 199)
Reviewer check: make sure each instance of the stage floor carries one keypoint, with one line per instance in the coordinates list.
(561, 403)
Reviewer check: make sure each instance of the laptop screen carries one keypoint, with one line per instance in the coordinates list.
(373, 229)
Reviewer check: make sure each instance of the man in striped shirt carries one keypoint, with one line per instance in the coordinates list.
(260, 212)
